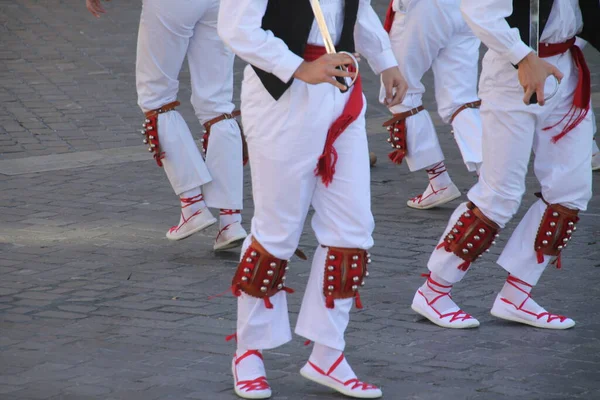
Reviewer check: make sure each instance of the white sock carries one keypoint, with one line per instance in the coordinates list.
(518, 293)
(228, 217)
(249, 368)
(436, 287)
(191, 202)
(324, 357)
(438, 176)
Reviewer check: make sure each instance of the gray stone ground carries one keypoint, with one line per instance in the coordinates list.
(96, 304)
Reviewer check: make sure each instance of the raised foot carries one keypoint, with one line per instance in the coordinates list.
(451, 318)
(433, 198)
(351, 388)
(198, 221)
(230, 236)
(504, 309)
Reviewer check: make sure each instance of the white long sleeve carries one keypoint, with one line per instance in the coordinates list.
(240, 24)
(487, 20)
(371, 40)
(239, 27)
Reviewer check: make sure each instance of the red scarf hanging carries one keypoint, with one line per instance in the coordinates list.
(389, 17)
(326, 163)
(583, 90)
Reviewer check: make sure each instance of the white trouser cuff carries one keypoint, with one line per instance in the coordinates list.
(316, 322)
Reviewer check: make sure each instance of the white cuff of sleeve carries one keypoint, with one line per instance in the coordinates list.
(518, 52)
(383, 61)
(287, 66)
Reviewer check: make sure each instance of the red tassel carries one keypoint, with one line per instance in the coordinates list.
(268, 303)
(307, 343)
(326, 165)
(464, 266)
(230, 337)
(558, 262)
(540, 257)
(357, 300)
(440, 246)
(235, 289)
(329, 302)
(288, 290)
(397, 156)
(582, 95)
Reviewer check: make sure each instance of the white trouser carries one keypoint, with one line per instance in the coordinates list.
(510, 131)
(284, 146)
(170, 31)
(432, 34)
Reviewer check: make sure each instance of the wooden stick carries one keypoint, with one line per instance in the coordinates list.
(329, 46)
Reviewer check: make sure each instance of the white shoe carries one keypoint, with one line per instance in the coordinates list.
(505, 309)
(596, 161)
(434, 198)
(452, 318)
(351, 388)
(198, 221)
(257, 388)
(230, 236)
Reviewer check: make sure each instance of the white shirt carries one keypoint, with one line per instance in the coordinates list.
(240, 24)
(487, 20)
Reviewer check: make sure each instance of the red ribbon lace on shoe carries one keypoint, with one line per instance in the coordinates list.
(459, 315)
(436, 171)
(259, 383)
(226, 211)
(513, 281)
(188, 201)
(356, 384)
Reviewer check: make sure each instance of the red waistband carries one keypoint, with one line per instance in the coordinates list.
(553, 49)
(312, 52)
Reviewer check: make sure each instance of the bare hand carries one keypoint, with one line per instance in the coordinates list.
(324, 70)
(95, 7)
(395, 86)
(532, 73)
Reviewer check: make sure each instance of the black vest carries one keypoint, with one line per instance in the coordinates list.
(590, 10)
(291, 21)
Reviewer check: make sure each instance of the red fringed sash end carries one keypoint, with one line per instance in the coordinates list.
(326, 165)
(583, 90)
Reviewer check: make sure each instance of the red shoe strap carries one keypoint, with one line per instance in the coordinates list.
(188, 201)
(259, 383)
(248, 354)
(354, 381)
(437, 170)
(227, 211)
(222, 230)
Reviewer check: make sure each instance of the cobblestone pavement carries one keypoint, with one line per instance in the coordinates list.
(95, 303)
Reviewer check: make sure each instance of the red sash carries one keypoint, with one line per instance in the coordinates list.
(583, 91)
(389, 17)
(326, 164)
